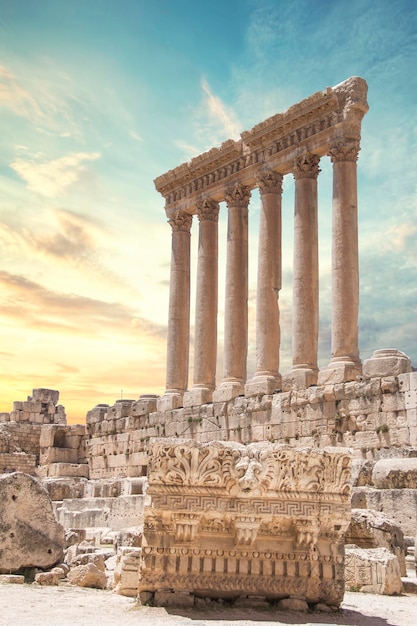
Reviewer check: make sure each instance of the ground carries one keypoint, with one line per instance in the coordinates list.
(24, 605)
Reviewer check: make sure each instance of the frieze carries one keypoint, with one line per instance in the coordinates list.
(278, 586)
(249, 470)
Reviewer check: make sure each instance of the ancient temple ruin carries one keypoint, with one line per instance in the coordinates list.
(249, 481)
(325, 124)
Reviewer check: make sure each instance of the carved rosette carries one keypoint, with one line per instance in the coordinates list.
(207, 210)
(237, 196)
(269, 182)
(344, 151)
(306, 166)
(181, 221)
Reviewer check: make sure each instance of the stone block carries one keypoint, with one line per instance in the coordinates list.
(241, 516)
(372, 571)
(11, 579)
(395, 474)
(45, 395)
(386, 363)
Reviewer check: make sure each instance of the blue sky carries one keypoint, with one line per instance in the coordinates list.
(98, 98)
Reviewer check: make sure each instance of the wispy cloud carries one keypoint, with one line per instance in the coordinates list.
(214, 121)
(52, 178)
(16, 98)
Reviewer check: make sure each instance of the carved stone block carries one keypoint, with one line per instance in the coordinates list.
(227, 520)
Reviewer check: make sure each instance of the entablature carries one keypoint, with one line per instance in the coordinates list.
(313, 125)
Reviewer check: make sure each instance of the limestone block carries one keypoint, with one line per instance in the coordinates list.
(50, 578)
(11, 579)
(29, 533)
(373, 529)
(126, 572)
(229, 520)
(395, 474)
(386, 363)
(87, 576)
(45, 395)
(47, 436)
(372, 571)
(32, 407)
(398, 504)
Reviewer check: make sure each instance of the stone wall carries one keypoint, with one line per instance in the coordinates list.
(17, 462)
(367, 415)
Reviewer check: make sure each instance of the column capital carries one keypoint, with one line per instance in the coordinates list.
(207, 210)
(269, 181)
(306, 165)
(237, 195)
(344, 150)
(181, 221)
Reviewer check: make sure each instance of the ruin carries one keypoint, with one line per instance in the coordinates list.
(249, 481)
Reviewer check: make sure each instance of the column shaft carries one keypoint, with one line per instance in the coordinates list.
(205, 340)
(179, 311)
(236, 299)
(345, 363)
(305, 306)
(267, 377)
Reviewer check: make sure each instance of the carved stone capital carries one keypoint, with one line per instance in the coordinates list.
(344, 151)
(208, 210)
(181, 221)
(306, 166)
(237, 195)
(269, 182)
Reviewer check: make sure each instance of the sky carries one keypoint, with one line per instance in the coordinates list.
(98, 98)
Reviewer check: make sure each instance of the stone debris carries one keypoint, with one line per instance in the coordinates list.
(126, 571)
(374, 570)
(373, 529)
(88, 575)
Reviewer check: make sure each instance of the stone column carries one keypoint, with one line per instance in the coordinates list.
(305, 305)
(179, 313)
(236, 300)
(205, 342)
(267, 377)
(345, 364)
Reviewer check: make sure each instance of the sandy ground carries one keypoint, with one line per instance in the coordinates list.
(24, 605)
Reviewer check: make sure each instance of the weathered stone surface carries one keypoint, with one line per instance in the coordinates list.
(387, 363)
(373, 529)
(29, 533)
(372, 571)
(11, 579)
(126, 572)
(398, 504)
(50, 578)
(395, 474)
(229, 520)
(87, 576)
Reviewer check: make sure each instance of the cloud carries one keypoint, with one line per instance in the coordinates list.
(52, 178)
(28, 302)
(214, 121)
(16, 98)
(220, 112)
(135, 136)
